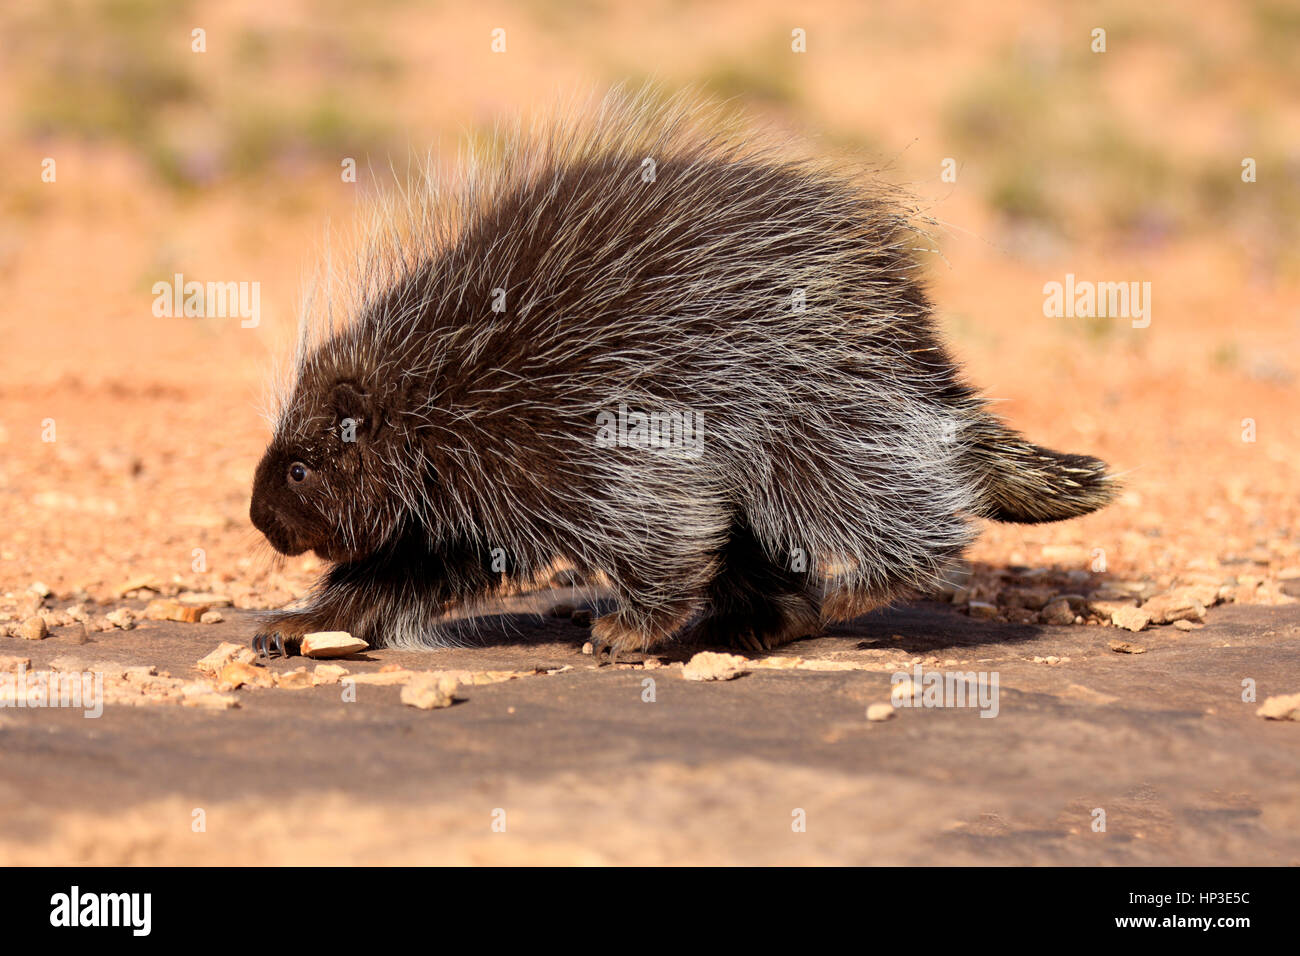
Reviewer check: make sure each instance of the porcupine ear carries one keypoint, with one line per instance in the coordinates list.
(354, 404)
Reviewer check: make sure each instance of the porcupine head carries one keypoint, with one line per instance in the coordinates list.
(312, 490)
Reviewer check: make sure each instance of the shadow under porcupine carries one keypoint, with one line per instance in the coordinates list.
(639, 342)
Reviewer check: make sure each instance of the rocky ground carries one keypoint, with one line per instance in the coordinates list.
(521, 750)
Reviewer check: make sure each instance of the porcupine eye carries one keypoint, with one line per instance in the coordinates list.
(298, 472)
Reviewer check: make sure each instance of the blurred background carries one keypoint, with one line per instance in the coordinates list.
(224, 165)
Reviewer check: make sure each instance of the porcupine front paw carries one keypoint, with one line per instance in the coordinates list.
(281, 635)
(272, 643)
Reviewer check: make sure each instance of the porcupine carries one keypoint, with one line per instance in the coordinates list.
(650, 263)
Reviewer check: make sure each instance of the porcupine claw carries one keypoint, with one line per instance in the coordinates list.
(603, 653)
(269, 644)
(608, 654)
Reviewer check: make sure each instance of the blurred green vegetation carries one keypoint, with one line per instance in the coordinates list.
(124, 70)
(1034, 124)
(1049, 148)
(1276, 37)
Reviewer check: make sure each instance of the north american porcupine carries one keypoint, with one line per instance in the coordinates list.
(517, 343)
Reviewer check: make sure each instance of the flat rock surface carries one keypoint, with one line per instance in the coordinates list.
(580, 765)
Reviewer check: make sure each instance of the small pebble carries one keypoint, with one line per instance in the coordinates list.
(430, 691)
(1057, 612)
(710, 665)
(880, 712)
(238, 673)
(331, 644)
(162, 610)
(224, 654)
(123, 617)
(1124, 647)
(1130, 618)
(34, 628)
(1281, 707)
(329, 673)
(296, 679)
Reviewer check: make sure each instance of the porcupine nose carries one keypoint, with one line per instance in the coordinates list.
(263, 518)
(260, 515)
(280, 538)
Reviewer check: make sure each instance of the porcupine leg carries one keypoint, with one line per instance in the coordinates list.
(652, 606)
(755, 603)
(391, 597)
(662, 561)
(847, 602)
(636, 627)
